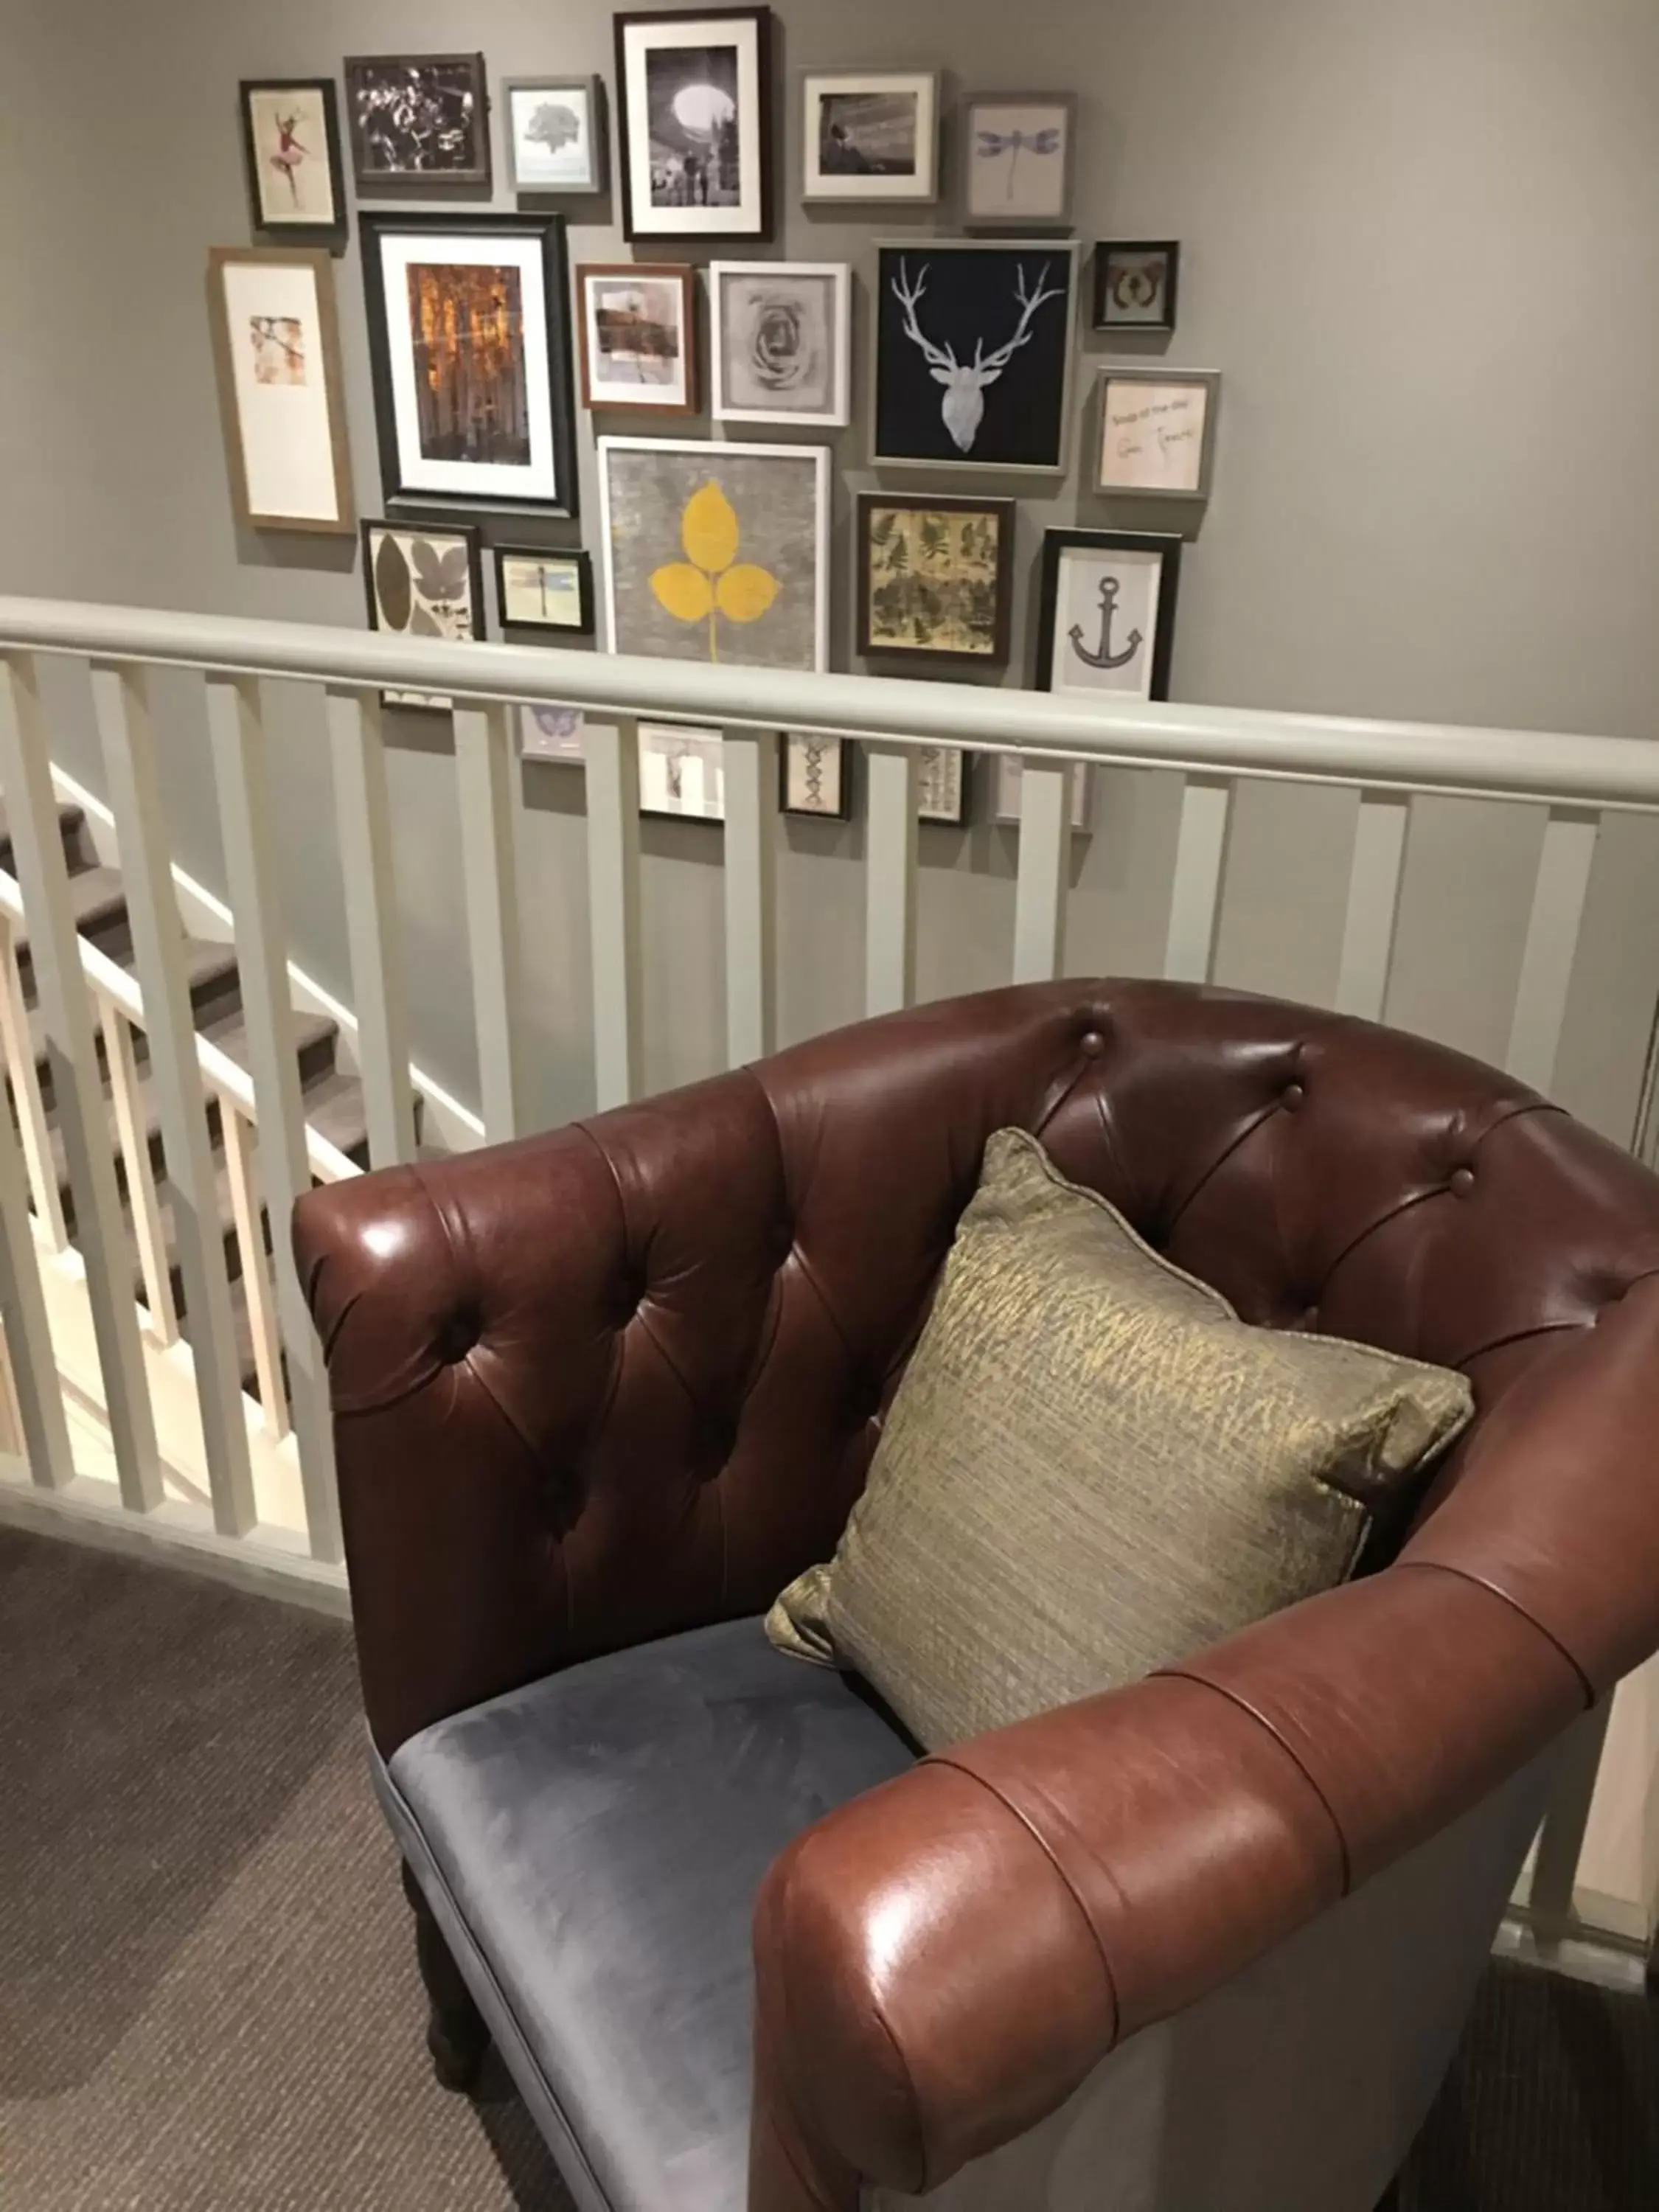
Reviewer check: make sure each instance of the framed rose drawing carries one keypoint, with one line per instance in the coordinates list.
(277, 350)
(716, 552)
(1106, 612)
(1158, 431)
(693, 87)
(782, 345)
(935, 577)
(554, 131)
(423, 583)
(973, 353)
(291, 143)
(1135, 285)
(870, 134)
(469, 348)
(638, 326)
(539, 590)
(417, 120)
(1017, 157)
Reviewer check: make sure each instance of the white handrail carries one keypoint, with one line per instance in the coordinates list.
(1530, 764)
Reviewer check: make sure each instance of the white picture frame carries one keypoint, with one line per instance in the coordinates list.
(781, 327)
(552, 733)
(555, 133)
(1018, 151)
(1009, 776)
(1155, 437)
(873, 104)
(682, 773)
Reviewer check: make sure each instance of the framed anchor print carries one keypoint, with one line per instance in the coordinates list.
(973, 353)
(291, 143)
(1156, 432)
(1106, 612)
(1017, 158)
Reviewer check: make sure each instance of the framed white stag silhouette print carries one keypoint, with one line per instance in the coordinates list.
(973, 353)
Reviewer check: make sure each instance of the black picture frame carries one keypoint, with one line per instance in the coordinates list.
(367, 74)
(332, 233)
(636, 225)
(404, 500)
(1003, 511)
(577, 557)
(845, 752)
(1164, 545)
(937, 816)
(473, 538)
(1169, 248)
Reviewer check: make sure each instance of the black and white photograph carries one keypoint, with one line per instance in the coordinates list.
(696, 127)
(291, 145)
(869, 134)
(417, 120)
(973, 353)
(782, 345)
(1135, 285)
(1106, 612)
(638, 328)
(1017, 158)
(815, 778)
(554, 128)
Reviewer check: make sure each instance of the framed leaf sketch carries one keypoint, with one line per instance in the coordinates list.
(637, 321)
(942, 779)
(554, 130)
(870, 134)
(277, 350)
(782, 342)
(716, 552)
(815, 778)
(681, 772)
(1135, 284)
(291, 143)
(1017, 150)
(417, 120)
(423, 583)
(469, 348)
(693, 91)
(935, 577)
(536, 589)
(1106, 612)
(1157, 432)
(973, 353)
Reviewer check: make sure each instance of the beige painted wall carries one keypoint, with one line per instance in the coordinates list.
(1421, 242)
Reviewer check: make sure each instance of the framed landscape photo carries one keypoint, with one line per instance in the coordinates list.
(291, 143)
(282, 393)
(423, 583)
(1157, 432)
(1135, 285)
(870, 134)
(1106, 612)
(681, 772)
(1016, 154)
(815, 778)
(417, 120)
(716, 552)
(781, 343)
(469, 349)
(973, 353)
(536, 589)
(694, 91)
(637, 322)
(554, 131)
(935, 577)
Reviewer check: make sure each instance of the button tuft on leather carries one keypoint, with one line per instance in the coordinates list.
(459, 1333)
(1291, 1096)
(1460, 1181)
(1091, 1044)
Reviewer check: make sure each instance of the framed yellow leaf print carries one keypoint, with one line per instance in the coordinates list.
(716, 552)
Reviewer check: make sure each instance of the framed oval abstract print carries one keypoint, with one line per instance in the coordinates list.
(781, 343)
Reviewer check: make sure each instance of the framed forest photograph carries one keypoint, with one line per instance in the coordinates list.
(637, 323)
(282, 391)
(1106, 606)
(538, 589)
(782, 345)
(470, 353)
(870, 134)
(417, 120)
(423, 583)
(935, 577)
(291, 145)
(973, 353)
(694, 98)
(554, 131)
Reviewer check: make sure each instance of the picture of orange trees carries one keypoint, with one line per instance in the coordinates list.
(467, 324)
(933, 580)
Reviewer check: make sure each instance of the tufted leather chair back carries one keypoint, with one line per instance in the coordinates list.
(627, 1377)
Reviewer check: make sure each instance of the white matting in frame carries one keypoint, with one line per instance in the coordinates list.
(681, 772)
(780, 342)
(1010, 777)
(870, 134)
(278, 360)
(730, 43)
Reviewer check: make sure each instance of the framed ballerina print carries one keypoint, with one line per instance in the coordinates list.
(291, 144)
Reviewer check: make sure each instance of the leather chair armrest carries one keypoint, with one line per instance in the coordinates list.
(941, 1962)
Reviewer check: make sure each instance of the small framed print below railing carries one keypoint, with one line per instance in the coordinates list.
(277, 350)
(1157, 433)
(815, 778)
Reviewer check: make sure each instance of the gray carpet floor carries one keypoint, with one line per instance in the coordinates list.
(208, 1995)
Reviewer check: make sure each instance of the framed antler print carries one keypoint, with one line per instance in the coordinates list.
(973, 353)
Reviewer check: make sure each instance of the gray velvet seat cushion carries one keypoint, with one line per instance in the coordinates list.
(601, 1836)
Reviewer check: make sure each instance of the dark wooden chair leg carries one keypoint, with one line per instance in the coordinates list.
(455, 2032)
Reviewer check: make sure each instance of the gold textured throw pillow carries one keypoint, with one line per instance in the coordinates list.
(1092, 1468)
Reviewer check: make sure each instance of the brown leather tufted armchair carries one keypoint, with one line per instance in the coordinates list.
(1200, 1946)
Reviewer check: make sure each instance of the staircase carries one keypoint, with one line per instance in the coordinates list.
(332, 1098)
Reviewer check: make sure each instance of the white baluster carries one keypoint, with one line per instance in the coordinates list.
(750, 759)
(1045, 838)
(364, 818)
(484, 771)
(1558, 909)
(1379, 856)
(257, 1289)
(143, 1201)
(18, 1048)
(36, 1391)
(890, 846)
(1201, 849)
(612, 755)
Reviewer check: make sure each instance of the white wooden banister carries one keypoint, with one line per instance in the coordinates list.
(750, 766)
(24, 1076)
(364, 818)
(1045, 844)
(889, 861)
(613, 902)
(1368, 927)
(1195, 899)
(486, 773)
(1559, 890)
(30, 1356)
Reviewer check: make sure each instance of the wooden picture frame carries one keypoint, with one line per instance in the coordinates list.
(417, 595)
(512, 586)
(896, 111)
(780, 342)
(932, 577)
(1123, 578)
(656, 283)
(527, 418)
(281, 388)
(581, 164)
(1146, 272)
(291, 151)
(709, 175)
(1019, 153)
(815, 778)
(417, 120)
(1155, 438)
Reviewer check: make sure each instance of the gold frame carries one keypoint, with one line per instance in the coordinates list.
(322, 267)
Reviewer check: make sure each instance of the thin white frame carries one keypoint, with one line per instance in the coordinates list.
(1120, 374)
(920, 190)
(963, 464)
(1065, 101)
(648, 737)
(840, 413)
(711, 450)
(1006, 796)
(592, 89)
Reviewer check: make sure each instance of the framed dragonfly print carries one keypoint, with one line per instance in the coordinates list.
(291, 144)
(538, 589)
(1017, 150)
(277, 348)
(469, 347)
(423, 583)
